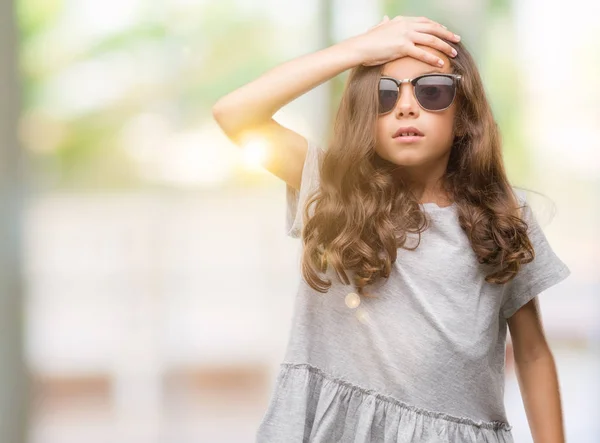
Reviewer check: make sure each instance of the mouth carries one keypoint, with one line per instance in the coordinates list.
(408, 139)
(408, 132)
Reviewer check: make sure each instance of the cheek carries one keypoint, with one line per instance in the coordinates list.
(444, 132)
(379, 127)
(447, 130)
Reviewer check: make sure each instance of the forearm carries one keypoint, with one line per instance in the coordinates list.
(539, 386)
(257, 101)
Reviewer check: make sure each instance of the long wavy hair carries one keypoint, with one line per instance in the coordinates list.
(363, 210)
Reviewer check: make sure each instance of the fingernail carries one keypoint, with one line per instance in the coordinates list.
(441, 62)
(454, 52)
(457, 37)
(444, 27)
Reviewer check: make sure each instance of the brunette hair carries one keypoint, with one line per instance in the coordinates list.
(363, 212)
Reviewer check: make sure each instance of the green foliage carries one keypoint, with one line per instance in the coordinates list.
(196, 56)
(35, 16)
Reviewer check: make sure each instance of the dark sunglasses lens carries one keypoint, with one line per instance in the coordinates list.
(435, 92)
(388, 95)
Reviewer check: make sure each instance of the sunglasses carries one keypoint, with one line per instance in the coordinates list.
(434, 92)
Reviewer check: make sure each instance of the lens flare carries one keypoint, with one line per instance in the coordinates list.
(352, 300)
(255, 152)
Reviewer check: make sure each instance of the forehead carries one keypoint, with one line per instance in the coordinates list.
(408, 67)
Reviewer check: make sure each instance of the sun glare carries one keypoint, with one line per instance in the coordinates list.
(254, 152)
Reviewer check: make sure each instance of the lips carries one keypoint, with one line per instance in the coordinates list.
(408, 131)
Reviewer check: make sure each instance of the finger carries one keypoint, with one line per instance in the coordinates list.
(433, 42)
(437, 31)
(427, 57)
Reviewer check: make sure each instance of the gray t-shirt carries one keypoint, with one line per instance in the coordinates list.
(421, 362)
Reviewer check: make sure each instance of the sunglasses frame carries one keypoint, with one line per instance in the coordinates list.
(413, 81)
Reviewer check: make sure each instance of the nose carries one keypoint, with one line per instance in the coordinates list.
(407, 104)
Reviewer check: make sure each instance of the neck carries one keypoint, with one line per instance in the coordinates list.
(431, 194)
(426, 181)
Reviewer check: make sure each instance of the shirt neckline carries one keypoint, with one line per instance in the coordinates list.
(435, 207)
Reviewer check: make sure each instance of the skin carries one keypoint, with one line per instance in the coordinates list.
(537, 375)
(421, 164)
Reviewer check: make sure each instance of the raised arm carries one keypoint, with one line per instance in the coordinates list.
(251, 107)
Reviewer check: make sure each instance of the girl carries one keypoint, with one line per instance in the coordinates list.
(417, 252)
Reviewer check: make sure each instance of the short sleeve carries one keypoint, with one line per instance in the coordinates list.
(296, 199)
(545, 271)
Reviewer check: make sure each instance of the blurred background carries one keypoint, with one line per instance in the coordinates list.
(147, 283)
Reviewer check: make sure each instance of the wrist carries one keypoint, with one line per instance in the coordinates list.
(352, 50)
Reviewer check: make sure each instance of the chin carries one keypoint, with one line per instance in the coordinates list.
(406, 158)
